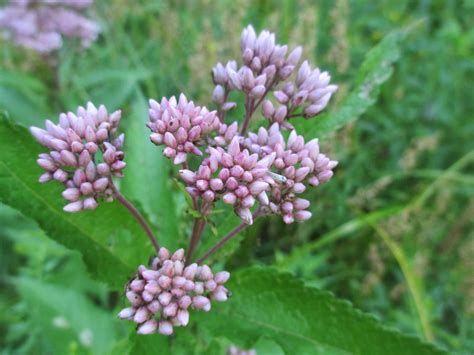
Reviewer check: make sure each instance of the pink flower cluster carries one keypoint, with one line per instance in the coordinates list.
(311, 92)
(181, 126)
(296, 164)
(40, 25)
(162, 295)
(233, 174)
(264, 65)
(84, 152)
(255, 168)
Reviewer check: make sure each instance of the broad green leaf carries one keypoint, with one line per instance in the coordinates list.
(25, 107)
(110, 240)
(300, 319)
(66, 315)
(148, 175)
(265, 346)
(375, 70)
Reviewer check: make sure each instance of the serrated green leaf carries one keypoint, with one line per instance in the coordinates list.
(300, 319)
(112, 243)
(375, 70)
(147, 178)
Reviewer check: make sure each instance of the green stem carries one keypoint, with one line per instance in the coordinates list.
(410, 278)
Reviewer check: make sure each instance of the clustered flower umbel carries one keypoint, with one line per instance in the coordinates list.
(311, 93)
(233, 174)
(84, 152)
(255, 168)
(161, 296)
(180, 126)
(264, 65)
(263, 171)
(41, 24)
(294, 166)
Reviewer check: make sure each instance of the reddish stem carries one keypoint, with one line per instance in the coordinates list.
(226, 238)
(136, 214)
(221, 242)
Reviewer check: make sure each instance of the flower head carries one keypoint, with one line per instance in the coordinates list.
(41, 25)
(84, 152)
(235, 175)
(181, 126)
(162, 295)
(265, 64)
(295, 165)
(310, 93)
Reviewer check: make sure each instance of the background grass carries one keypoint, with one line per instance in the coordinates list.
(392, 232)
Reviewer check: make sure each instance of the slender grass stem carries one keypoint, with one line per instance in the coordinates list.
(410, 278)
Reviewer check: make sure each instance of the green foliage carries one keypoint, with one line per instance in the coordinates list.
(56, 309)
(146, 167)
(392, 232)
(110, 240)
(300, 319)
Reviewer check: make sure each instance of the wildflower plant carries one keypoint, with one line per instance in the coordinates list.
(243, 153)
(255, 173)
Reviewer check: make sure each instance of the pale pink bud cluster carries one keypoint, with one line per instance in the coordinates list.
(234, 350)
(309, 94)
(264, 65)
(162, 295)
(234, 175)
(181, 126)
(41, 25)
(225, 134)
(295, 164)
(84, 153)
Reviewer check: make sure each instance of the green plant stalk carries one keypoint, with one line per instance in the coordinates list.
(459, 164)
(410, 278)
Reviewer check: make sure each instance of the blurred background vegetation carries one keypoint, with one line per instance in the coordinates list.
(393, 232)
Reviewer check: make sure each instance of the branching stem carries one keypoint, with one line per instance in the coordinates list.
(227, 237)
(137, 215)
(221, 242)
(251, 105)
(198, 228)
